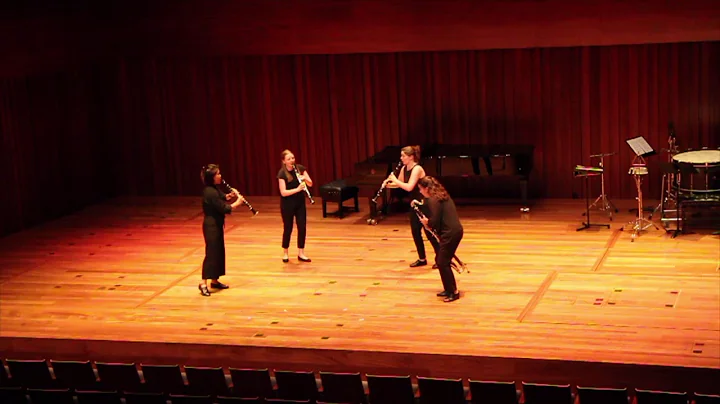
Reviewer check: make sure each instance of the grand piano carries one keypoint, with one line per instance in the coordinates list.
(466, 171)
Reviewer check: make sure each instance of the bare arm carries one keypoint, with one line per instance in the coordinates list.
(306, 178)
(408, 186)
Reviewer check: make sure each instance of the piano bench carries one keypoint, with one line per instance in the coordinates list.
(337, 191)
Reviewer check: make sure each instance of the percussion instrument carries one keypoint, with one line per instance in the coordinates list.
(638, 170)
(699, 158)
(582, 171)
(699, 170)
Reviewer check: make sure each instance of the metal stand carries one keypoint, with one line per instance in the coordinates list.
(603, 202)
(587, 224)
(638, 170)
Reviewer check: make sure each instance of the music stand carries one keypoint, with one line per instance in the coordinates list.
(586, 173)
(638, 169)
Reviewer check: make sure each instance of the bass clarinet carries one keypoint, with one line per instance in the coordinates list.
(460, 267)
(307, 191)
(245, 201)
(384, 184)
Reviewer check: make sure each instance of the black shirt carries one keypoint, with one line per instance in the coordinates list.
(443, 217)
(214, 204)
(293, 183)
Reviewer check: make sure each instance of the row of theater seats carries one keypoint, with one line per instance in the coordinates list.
(40, 381)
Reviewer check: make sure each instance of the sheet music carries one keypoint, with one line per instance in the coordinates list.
(640, 146)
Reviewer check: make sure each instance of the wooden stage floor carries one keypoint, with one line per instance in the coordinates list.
(542, 303)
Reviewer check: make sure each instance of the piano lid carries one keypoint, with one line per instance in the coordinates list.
(391, 154)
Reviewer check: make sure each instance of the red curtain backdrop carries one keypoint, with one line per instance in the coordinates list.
(146, 126)
(52, 152)
(169, 117)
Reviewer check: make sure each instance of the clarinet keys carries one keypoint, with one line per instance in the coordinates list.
(245, 201)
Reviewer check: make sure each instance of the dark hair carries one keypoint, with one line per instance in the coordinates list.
(413, 151)
(288, 176)
(208, 173)
(434, 187)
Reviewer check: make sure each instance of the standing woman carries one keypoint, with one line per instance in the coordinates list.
(292, 181)
(443, 218)
(407, 180)
(215, 207)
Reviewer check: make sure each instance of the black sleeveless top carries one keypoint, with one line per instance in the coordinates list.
(415, 192)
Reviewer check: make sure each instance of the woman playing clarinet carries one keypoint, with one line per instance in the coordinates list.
(407, 180)
(293, 182)
(215, 207)
(443, 218)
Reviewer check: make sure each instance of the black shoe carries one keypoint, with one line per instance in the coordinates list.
(418, 263)
(218, 285)
(452, 297)
(286, 260)
(435, 266)
(304, 259)
(204, 289)
(443, 294)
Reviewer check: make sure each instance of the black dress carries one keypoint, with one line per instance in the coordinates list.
(215, 208)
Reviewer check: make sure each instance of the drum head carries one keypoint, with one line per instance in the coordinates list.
(699, 157)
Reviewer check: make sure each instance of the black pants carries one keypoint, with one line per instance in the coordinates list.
(445, 252)
(293, 208)
(417, 228)
(214, 262)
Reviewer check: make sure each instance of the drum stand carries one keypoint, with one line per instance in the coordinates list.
(603, 202)
(667, 197)
(637, 170)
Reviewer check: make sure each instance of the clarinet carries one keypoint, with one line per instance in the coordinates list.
(384, 184)
(307, 191)
(245, 201)
(460, 267)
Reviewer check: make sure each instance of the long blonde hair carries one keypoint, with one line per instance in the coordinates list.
(288, 176)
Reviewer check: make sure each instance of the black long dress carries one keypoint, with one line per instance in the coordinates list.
(215, 208)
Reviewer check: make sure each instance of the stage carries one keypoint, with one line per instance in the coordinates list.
(542, 302)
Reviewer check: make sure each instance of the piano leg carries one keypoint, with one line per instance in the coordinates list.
(524, 196)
